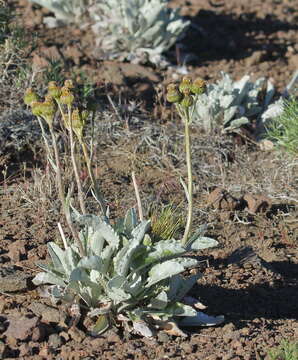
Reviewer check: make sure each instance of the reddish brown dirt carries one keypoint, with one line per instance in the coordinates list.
(247, 197)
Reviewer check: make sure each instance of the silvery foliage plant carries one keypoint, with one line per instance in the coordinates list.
(228, 104)
(133, 28)
(65, 10)
(136, 30)
(125, 276)
(276, 109)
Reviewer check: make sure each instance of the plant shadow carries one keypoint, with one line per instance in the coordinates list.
(213, 36)
(270, 299)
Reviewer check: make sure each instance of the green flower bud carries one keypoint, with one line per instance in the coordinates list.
(36, 107)
(54, 90)
(187, 92)
(68, 84)
(199, 86)
(185, 84)
(48, 110)
(173, 94)
(49, 98)
(67, 96)
(77, 123)
(187, 101)
(30, 97)
(172, 87)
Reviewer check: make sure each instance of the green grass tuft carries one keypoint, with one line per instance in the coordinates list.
(166, 222)
(284, 130)
(286, 351)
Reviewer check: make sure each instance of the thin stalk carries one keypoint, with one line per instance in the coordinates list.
(44, 136)
(74, 163)
(98, 194)
(189, 180)
(60, 109)
(92, 137)
(139, 202)
(62, 195)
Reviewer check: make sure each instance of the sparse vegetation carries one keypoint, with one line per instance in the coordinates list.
(109, 141)
(115, 270)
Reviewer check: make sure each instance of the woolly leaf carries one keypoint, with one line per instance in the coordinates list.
(48, 278)
(130, 221)
(91, 262)
(201, 319)
(180, 286)
(167, 269)
(201, 243)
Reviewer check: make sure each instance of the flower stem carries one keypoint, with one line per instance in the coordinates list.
(189, 175)
(62, 195)
(97, 192)
(74, 163)
(44, 136)
(139, 202)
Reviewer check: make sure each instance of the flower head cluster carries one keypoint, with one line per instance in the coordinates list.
(183, 93)
(45, 109)
(58, 98)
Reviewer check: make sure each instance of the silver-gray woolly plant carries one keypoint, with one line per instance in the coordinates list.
(228, 104)
(124, 276)
(132, 28)
(136, 30)
(65, 10)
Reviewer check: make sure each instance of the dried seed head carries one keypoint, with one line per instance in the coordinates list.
(199, 86)
(30, 96)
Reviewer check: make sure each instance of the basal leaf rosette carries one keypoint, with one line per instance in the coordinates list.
(125, 277)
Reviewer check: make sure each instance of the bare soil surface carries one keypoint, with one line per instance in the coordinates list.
(247, 197)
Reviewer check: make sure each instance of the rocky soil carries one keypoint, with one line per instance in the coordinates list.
(248, 197)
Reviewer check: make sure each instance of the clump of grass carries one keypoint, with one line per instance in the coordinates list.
(5, 17)
(284, 129)
(54, 71)
(286, 351)
(166, 222)
(14, 49)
